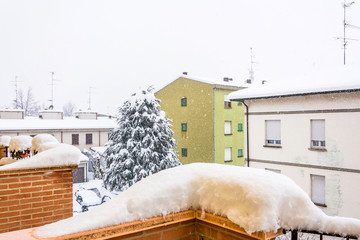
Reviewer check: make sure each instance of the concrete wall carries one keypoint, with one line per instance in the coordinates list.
(339, 162)
(235, 114)
(198, 114)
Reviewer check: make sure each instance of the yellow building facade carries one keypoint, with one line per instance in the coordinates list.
(207, 128)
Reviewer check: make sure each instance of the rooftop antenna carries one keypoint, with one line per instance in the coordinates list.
(251, 78)
(344, 38)
(16, 81)
(90, 97)
(52, 90)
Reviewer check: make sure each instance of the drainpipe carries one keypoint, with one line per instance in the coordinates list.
(247, 134)
(214, 122)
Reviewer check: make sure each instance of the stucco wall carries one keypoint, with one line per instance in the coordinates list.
(198, 114)
(340, 163)
(235, 114)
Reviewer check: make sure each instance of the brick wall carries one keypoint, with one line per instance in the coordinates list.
(186, 225)
(34, 197)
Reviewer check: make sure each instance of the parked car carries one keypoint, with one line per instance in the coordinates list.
(89, 197)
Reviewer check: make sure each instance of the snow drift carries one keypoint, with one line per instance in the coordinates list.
(255, 199)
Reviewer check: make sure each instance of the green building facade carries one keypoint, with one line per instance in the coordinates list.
(207, 127)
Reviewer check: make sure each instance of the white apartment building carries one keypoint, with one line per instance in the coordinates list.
(85, 130)
(310, 134)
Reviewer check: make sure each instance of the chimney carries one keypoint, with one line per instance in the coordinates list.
(226, 79)
(184, 73)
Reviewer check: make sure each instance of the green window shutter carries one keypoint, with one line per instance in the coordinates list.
(183, 127)
(240, 152)
(240, 127)
(183, 102)
(184, 152)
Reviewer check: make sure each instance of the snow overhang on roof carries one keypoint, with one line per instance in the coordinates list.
(269, 90)
(217, 84)
(32, 123)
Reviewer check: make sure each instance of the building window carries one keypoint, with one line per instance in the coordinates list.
(240, 127)
(318, 134)
(184, 152)
(228, 155)
(75, 139)
(227, 103)
(88, 138)
(227, 127)
(273, 133)
(184, 102)
(183, 127)
(318, 189)
(240, 152)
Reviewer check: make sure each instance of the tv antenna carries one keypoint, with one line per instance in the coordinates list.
(52, 90)
(90, 92)
(251, 78)
(16, 81)
(344, 38)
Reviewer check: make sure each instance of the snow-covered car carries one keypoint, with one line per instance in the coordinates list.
(89, 197)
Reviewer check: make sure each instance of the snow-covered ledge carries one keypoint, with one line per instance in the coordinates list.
(38, 190)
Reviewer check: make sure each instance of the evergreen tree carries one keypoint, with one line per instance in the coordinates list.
(141, 144)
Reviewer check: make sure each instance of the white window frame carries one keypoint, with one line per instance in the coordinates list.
(317, 134)
(318, 189)
(228, 154)
(227, 126)
(272, 132)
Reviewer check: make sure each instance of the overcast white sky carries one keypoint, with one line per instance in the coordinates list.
(116, 47)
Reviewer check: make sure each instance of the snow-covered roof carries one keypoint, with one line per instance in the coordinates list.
(270, 90)
(255, 199)
(319, 81)
(11, 110)
(61, 155)
(34, 123)
(216, 83)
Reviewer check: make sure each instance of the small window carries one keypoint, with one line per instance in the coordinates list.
(318, 134)
(273, 133)
(184, 102)
(227, 127)
(240, 127)
(88, 138)
(239, 104)
(75, 139)
(240, 152)
(318, 189)
(183, 127)
(184, 152)
(228, 155)
(227, 103)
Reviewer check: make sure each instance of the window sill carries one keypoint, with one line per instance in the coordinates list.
(320, 204)
(317, 149)
(240, 156)
(227, 161)
(228, 134)
(272, 146)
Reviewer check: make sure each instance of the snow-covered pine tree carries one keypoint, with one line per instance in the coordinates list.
(142, 143)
